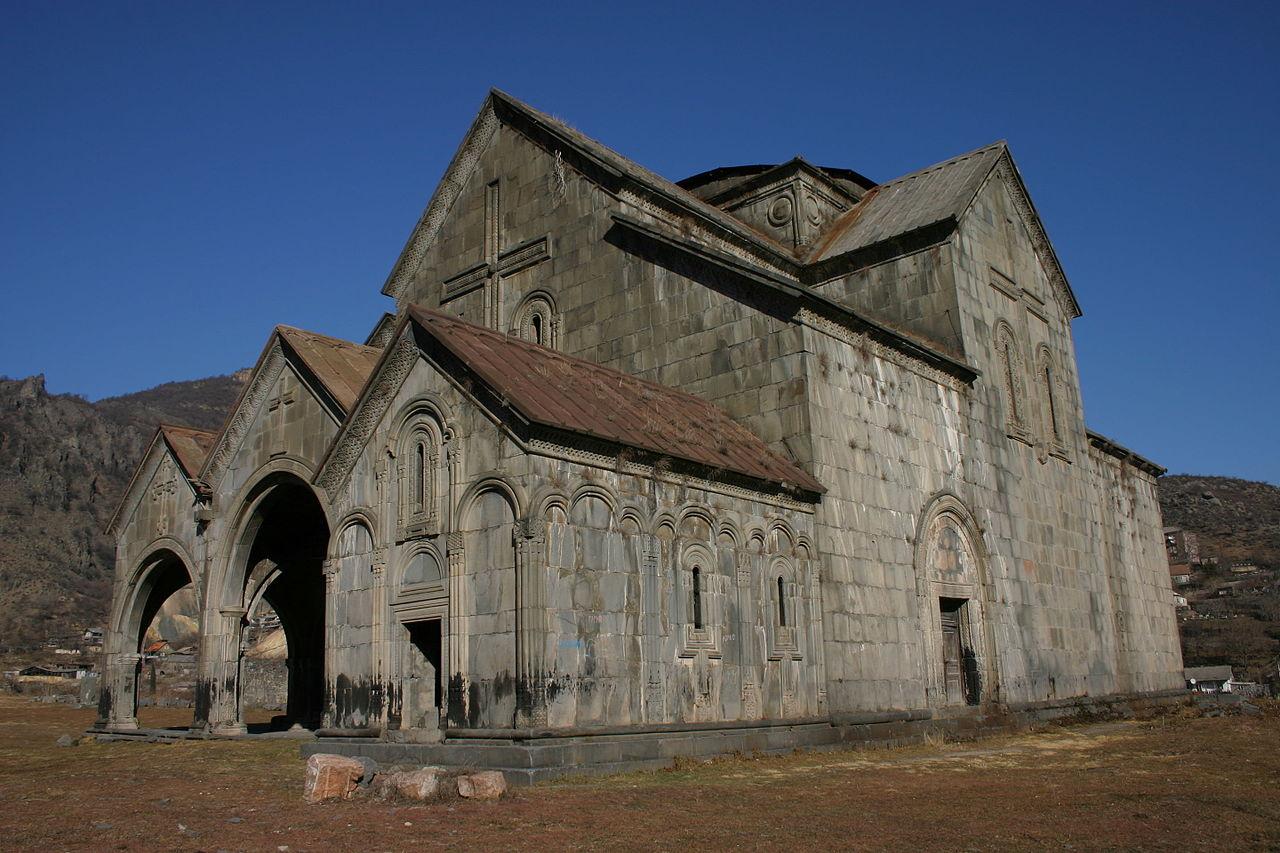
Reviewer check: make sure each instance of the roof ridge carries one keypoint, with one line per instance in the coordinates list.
(707, 210)
(167, 425)
(951, 161)
(284, 327)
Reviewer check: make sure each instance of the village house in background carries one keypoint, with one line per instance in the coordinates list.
(773, 456)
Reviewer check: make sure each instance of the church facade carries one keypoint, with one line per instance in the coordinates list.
(775, 445)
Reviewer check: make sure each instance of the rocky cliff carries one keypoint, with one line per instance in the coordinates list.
(64, 463)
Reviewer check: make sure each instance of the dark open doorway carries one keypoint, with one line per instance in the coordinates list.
(286, 571)
(426, 645)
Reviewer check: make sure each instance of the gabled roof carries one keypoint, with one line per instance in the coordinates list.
(570, 395)
(1208, 673)
(190, 446)
(937, 195)
(911, 202)
(342, 366)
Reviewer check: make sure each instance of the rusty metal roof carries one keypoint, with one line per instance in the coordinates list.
(936, 194)
(191, 446)
(342, 366)
(570, 394)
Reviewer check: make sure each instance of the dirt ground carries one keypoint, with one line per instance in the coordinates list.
(1170, 783)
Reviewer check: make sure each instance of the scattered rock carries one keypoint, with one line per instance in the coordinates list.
(370, 769)
(486, 785)
(422, 784)
(235, 820)
(66, 740)
(331, 777)
(102, 826)
(1250, 709)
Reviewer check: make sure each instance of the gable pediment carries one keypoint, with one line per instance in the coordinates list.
(297, 395)
(792, 204)
(159, 479)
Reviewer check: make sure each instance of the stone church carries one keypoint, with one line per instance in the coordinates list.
(772, 456)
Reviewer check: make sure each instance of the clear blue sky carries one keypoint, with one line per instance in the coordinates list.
(177, 178)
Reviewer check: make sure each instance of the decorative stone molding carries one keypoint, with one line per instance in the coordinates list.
(1008, 173)
(614, 465)
(451, 186)
(357, 431)
(233, 436)
(861, 341)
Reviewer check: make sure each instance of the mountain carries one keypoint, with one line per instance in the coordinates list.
(1233, 618)
(1234, 519)
(64, 463)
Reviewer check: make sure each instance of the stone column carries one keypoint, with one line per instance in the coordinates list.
(531, 632)
(817, 648)
(330, 569)
(121, 685)
(378, 653)
(748, 659)
(457, 640)
(224, 678)
(655, 705)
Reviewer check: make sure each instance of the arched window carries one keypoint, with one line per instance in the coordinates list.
(420, 477)
(697, 597)
(1011, 380)
(536, 320)
(1047, 379)
(782, 603)
(419, 455)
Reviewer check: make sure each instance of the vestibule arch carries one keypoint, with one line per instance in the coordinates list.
(955, 598)
(166, 569)
(279, 542)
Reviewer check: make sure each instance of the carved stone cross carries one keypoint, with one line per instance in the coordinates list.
(498, 263)
(277, 405)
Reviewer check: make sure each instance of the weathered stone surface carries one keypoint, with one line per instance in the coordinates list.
(331, 777)
(486, 785)
(420, 784)
(975, 541)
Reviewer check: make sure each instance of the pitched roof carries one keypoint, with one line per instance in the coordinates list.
(569, 394)
(342, 366)
(1207, 673)
(919, 199)
(190, 446)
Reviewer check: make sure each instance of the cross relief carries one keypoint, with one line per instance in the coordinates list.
(277, 407)
(498, 263)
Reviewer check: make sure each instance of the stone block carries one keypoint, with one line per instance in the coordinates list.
(331, 777)
(486, 785)
(420, 784)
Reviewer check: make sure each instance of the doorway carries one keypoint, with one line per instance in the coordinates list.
(959, 664)
(424, 692)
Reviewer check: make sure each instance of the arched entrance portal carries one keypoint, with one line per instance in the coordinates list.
(284, 549)
(158, 578)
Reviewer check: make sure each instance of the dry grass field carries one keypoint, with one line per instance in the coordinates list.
(1175, 782)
